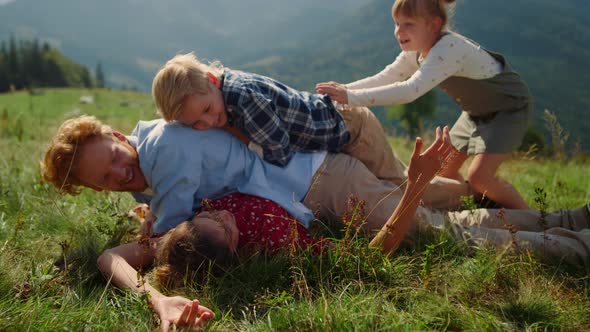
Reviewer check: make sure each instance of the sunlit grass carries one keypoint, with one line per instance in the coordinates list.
(49, 245)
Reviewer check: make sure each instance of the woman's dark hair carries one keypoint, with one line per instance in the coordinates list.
(186, 252)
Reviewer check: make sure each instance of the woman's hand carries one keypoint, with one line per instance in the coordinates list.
(424, 166)
(180, 311)
(335, 90)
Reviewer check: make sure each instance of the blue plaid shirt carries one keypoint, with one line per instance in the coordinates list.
(280, 119)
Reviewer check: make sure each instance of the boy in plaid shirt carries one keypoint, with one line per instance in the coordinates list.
(274, 119)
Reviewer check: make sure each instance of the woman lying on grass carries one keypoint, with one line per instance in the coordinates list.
(239, 221)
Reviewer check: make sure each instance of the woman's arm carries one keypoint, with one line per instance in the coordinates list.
(423, 167)
(119, 265)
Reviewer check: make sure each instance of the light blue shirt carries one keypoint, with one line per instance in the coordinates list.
(182, 166)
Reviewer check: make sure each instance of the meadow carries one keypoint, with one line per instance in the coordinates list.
(49, 245)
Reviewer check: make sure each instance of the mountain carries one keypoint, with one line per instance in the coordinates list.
(132, 38)
(27, 64)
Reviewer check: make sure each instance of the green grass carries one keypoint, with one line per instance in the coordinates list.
(49, 245)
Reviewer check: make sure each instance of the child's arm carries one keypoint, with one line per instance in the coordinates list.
(423, 167)
(264, 127)
(402, 68)
(445, 59)
(118, 266)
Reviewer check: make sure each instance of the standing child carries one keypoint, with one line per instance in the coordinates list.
(496, 104)
(273, 119)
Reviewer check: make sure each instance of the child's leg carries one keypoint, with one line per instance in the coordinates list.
(482, 177)
(368, 143)
(452, 167)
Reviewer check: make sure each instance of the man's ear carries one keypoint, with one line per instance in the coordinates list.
(119, 136)
(213, 79)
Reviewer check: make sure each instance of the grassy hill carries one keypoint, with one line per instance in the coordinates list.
(434, 283)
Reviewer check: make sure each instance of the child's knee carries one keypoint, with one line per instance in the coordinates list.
(480, 179)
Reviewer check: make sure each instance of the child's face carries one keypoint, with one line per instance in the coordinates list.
(219, 224)
(204, 111)
(415, 33)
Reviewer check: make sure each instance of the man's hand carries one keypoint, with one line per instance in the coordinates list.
(335, 90)
(424, 166)
(180, 311)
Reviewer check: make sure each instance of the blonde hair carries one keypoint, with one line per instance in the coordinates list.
(181, 76)
(184, 252)
(60, 158)
(423, 8)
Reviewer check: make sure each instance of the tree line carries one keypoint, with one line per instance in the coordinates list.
(27, 64)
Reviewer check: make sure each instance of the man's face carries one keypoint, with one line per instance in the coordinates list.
(109, 164)
(203, 112)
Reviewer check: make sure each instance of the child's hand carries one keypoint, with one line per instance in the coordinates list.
(424, 166)
(335, 90)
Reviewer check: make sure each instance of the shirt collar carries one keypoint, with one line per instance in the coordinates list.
(133, 140)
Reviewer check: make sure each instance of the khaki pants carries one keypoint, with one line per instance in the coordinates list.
(567, 234)
(368, 143)
(560, 235)
(342, 176)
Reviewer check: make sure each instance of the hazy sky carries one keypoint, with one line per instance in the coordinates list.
(3, 2)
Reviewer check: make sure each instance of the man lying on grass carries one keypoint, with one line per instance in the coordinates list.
(174, 168)
(243, 222)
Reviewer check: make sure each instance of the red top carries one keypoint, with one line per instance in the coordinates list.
(265, 224)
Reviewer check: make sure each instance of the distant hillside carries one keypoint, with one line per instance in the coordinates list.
(546, 41)
(132, 38)
(27, 64)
